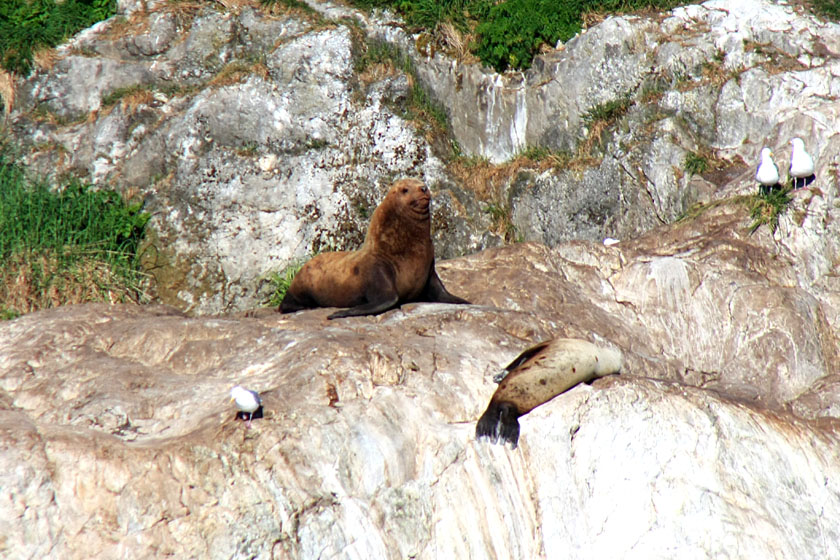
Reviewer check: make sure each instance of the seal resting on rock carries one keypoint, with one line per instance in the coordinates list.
(395, 265)
(537, 375)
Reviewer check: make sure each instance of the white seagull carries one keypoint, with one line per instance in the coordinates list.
(246, 400)
(767, 174)
(801, 163)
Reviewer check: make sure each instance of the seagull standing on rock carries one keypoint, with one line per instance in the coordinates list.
(767, 174)
(246, 400)
(801, 163)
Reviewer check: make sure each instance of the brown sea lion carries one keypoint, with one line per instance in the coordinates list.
(538, 375)
(395, 265)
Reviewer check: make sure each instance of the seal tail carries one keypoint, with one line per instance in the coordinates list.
(500, 420)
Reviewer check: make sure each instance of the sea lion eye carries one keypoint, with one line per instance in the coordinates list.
(404, 190)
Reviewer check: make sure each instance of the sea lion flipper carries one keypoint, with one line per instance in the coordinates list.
(434, 291)
(372, 308)
(499, 421)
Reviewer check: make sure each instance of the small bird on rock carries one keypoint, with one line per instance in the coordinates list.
(246, 401)
(767, 174)
(801, 163)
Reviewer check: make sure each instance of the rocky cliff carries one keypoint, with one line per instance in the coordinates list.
(719, 439)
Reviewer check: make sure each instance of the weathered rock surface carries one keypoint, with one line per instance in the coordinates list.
(256, 141)
(250, 136)
(723, 79)
(716, 441)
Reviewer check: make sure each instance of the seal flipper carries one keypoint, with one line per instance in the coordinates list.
(434, 291)
(500, 420)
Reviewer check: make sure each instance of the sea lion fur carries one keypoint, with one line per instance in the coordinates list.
(536, 376)
(395, 264)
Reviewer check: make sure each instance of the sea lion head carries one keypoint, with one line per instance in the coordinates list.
(412, 196)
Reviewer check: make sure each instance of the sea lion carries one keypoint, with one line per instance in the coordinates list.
(395, 264)
(536, 376)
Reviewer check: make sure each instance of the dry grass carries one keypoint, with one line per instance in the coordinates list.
(592, 18)
(454, 42)
(7, 92)
(120, 26)
(487, 180)
(377, 71)
(777, 61)
(134, 100)
(593, 138)
(45, 58)
(184, 11)
(238, 71)
(714, 73)
(236, 6)
(482, 177)
(32, 282)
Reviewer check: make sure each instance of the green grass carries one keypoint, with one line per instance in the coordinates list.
(29, 25)
(421, 107)
(827, 8)
(281, 282)
(64, 245)
(508, 34)
(767, 207)
(695, 164)
(608, 111)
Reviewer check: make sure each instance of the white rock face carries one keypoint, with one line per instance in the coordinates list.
(250, 137)
(725, 77)
(716, 441)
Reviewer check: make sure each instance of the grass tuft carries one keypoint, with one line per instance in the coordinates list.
(767, 207)
(695, 163)
(72, 244)
(281, 282)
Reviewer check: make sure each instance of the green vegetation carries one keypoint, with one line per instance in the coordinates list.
(67, 245)
(508, 34)
(421, 108)
(281, 282)
(503, 222)
(826, 8)
(607, 112)
(766, 207)
(29, 25)
(293, 4)
(512, 32)
(695, 163)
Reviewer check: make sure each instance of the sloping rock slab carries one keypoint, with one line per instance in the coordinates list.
(118, 439)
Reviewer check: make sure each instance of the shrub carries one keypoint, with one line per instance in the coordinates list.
(513, 31)
(826, 8)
